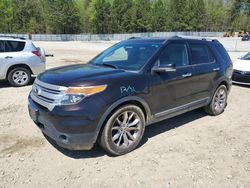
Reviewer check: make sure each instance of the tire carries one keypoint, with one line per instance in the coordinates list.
(19, 77)
(123, 131)
(218, 102)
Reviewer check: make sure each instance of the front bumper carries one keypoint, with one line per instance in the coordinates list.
(74, 133)
(241, 77)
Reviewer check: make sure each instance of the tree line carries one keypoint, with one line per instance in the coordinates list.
(122, 16)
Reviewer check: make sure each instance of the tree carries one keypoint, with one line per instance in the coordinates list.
(84, 10)
(158, 16)
(121, 15)
(141, 19)
(217, 16)
(240, 12)
(6, 15)
(178, 17)
(199, 14)
(63, 17)
(100, 16)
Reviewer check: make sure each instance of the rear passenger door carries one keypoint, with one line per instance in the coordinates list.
(205, 69)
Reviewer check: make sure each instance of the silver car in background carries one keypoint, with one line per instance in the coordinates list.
(20, 59)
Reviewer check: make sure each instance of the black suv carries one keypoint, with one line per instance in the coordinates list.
(134, 83)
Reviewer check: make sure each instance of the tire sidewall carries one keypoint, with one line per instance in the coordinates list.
(213, 100)
(10, 77)
(106, 139)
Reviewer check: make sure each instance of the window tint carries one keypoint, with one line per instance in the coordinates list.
(223, 53)
(118, 55)
(200, 53)
(174, 54)
(246, 57)
(14, 46)
(128, 55)
(1, 46)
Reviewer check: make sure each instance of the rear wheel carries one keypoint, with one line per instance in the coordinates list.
(219, 101)
(19, 77)
(123, 130)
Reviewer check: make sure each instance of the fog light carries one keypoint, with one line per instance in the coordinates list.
(63, 138)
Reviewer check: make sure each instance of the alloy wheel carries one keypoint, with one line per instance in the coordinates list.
(220, 100)
(126, 129)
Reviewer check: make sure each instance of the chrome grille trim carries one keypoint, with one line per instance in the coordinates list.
(46, 95)
(43, 103)
(50, 86)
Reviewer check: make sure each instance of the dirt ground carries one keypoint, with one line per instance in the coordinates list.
(191, 150)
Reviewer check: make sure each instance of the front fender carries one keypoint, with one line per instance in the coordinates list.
(118, 103)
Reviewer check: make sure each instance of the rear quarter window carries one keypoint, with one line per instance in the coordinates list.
(201, 54)
(14, 46)
(222, 51)
(2, 48)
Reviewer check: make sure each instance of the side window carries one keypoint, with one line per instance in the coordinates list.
(246, 57)
(200, 54)
(175, 54)
(119, 55)
(14, 46)
(222, 51)
(2, 49)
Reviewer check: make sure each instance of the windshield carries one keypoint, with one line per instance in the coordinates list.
(129, 55)
(246, 57)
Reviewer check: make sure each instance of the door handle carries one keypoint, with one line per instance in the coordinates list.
(187, 75)
(8, 57)
(216, 69)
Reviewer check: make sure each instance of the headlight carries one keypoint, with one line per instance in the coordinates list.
(71, 99)
(74, 95)
(91, 90)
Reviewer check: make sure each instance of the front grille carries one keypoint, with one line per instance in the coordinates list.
(46, 95)
(247, 73)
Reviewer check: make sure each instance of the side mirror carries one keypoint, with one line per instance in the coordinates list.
(167, 68)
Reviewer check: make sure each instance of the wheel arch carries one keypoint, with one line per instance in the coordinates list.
(141, 103)
(17, 66)
(222, 81)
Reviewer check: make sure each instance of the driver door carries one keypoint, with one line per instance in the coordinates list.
(171, 91)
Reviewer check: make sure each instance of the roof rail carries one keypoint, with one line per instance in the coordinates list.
(13, 37)
(131, 38)
(192, 37)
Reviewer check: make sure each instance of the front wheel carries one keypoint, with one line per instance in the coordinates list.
(123, 130)
(219, 101)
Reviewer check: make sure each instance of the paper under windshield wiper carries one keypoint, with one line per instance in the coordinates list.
(109, 65)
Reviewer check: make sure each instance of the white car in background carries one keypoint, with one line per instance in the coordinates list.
(20, 59)
(241, 73)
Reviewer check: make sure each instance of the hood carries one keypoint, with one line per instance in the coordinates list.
(242, 65)
(78, 75)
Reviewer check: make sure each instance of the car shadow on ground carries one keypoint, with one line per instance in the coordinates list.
(241, 85)
(95, 152)
(150, 131)
(5, 84)
(172, 123)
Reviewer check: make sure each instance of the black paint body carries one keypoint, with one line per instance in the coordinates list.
(160, 95)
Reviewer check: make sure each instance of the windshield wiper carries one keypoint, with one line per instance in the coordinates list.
(109, 65)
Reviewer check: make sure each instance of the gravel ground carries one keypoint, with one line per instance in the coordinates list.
(191, 150)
